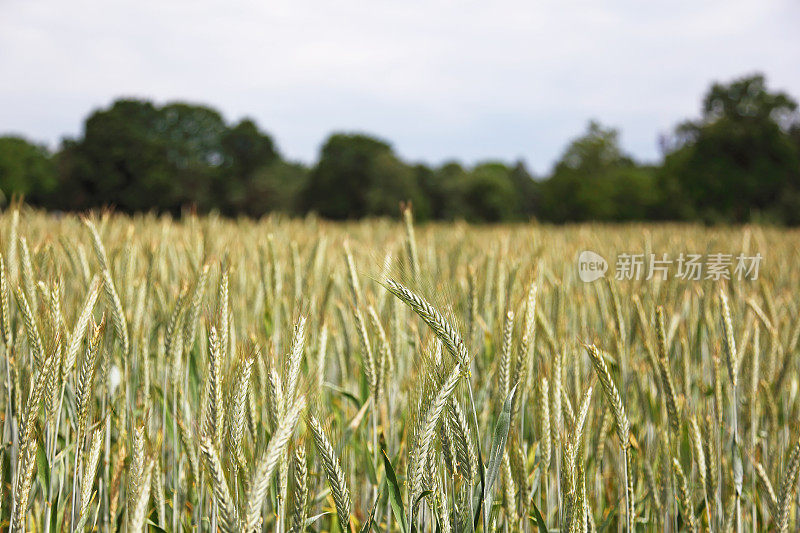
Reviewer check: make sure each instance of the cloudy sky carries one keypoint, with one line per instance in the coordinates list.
(467, 79)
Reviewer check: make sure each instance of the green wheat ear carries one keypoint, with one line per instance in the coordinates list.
(333, 472)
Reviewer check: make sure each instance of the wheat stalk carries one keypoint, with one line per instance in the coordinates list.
(333, 472)
(622, 424)
(269, 460)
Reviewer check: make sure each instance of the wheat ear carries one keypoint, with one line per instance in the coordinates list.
(269, 460)
(333, 472)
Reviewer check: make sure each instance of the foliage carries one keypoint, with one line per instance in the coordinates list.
(595, 180)
(25, 169)
(739, 162)
(137, 156)
(358, 176)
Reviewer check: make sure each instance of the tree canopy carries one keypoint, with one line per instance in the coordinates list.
(358, 176)
(137, 156)
(738, 161)
(25, 169)
(596, 180)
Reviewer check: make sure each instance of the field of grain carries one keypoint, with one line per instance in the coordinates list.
(297, 375)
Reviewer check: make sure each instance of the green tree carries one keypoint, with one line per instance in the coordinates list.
(425, 177)
(246, 148)
(528, 189)
(252, 177)
(445, 189)
(193, 138)
(738, 161)
(596, 180)
(358, 176)
(272, 187)
(25, 169)
(123, 159)
(489, 194)
(137, 156)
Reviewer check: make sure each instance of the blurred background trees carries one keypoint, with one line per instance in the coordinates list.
(738, 162)
(358, 176)
(595, 180)
(26, 169)
(137, 156)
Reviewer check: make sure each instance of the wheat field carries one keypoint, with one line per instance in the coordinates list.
(206, 374)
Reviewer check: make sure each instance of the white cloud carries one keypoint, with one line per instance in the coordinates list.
(441, 79)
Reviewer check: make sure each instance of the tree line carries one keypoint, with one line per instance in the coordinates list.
(738, 162)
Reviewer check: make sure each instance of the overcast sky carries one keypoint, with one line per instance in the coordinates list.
(470, 80)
